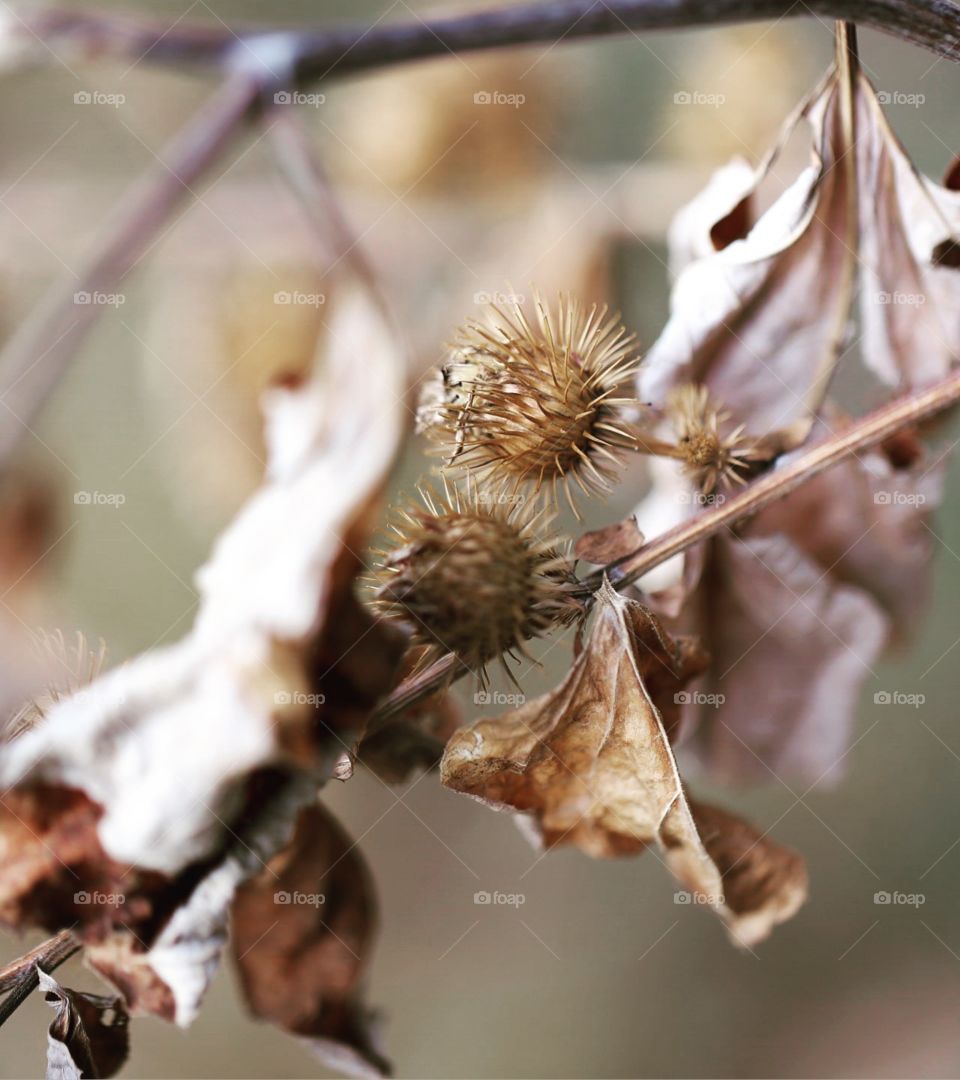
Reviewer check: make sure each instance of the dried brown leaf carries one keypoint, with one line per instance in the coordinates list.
(592, 762)
(302, 933)
(760, 319)
(185, 767)
(88, 1036)
(909, 237)
(791, 647)
(764, 884)
(610, 543)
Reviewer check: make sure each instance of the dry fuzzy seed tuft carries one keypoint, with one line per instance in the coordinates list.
(473, 577)
(74, 666)
(711, 457)
(522, 404)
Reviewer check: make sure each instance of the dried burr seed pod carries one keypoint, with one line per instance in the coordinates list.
(523, 404)
(473, 577)
(711, 457)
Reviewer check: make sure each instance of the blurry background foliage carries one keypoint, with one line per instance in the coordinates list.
(599, 973)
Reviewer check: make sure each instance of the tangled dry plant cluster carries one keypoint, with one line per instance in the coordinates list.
(763, 490)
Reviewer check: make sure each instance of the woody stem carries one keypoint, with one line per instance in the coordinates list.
(20, 977)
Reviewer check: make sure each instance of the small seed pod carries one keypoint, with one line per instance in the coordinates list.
(472, 577)
(713, 458)
(522, 405)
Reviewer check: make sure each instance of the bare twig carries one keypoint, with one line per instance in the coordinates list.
(20, 977)
(304, 174)
(800, 467)
(932, 24)
(37, 354)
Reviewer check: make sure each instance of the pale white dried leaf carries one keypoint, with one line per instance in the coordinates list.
(761, 320)
(160, 753)
(909, 299)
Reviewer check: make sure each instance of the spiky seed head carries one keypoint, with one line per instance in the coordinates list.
(711, 456)
(471, 576)
(73, 665)
(523, 404)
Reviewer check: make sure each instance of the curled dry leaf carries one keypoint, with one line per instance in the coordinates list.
(850, 548)
(592, 762)
(864, 522)
(759, 314)
(169, 777)
(88, 1035)
(612, 542)
(760, 599)
(831, 573)
(764, 884)
(910, 273)
(760, 308)
(302, 934)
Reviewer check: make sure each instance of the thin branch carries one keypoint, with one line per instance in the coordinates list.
(805, 465)
(304, 174)
(932, 24)
(38, 352)
(800, 467)
(20, 977)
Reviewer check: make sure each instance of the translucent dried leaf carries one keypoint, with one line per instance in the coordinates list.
(88, 1036)
(592, 762)
(159, 770)
(759, 316)
(302, 933)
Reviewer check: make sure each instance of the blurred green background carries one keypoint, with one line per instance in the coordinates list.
(599, 973)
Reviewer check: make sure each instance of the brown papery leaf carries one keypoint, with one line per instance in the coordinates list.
(764, 884)
(592, 762)
(189, 763)
(302, 933)
(610, 543)
(910, 272)
(864, 522)
(88, 1036)
(761, 321)
(756, 718)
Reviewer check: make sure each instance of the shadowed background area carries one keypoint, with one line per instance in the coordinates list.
(556, 168)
